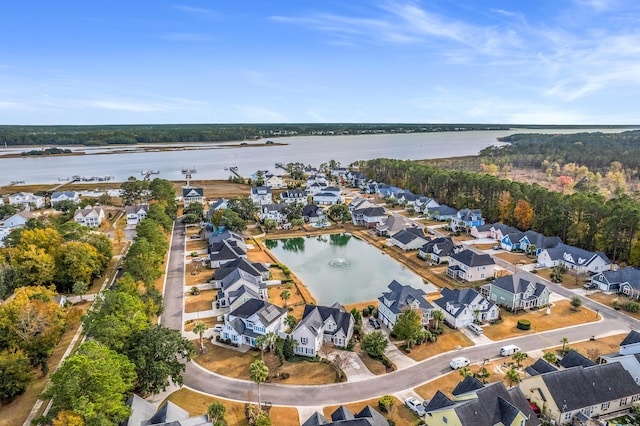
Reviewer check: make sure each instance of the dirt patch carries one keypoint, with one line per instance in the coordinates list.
(400, 414)
(200, 302)
(203, 274)
(296, 298)
(214, 189)
(562, 315)
(209, 322)
(607, 299)
(447, 341)
(515, 258)
(196, 245)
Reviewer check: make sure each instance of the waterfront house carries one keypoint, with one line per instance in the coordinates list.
(27, 200)
(516, 292)
(469, 266)
(253, 318)
(135, 214)
(192, 195)
(91, 217)
(322, 324)
(226, 235)
(399, 298)
(466, 219)
(393, 224)
(219, 204)
(409, 239)
(462, 307)
(574, 258)
(328, 196)
(261, 195)
(60, 196)
(275, 212)
(625, 280)
(312, 213)
(12, 222)
(144, 413)
(437, 250)
(314, 188)
(294, 196)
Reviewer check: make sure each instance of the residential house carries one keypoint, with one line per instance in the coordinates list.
(628, 356)
(437, 250)
(26, 200)
(237, 287)
(529, 241)
(406, 198)
(539, 367)
(364, 213)
(192, 195)
(219, 204)
(256, 269)
(261, 195)
(516, 292)
(574, 258)
(60, 196)
(388, 191)
(495, 231)
(442, 213)
(393, 224)
(575, 359)
(274, 212)
(312, 213)
(342, 416)
(268, 179)
(625, 280)
(422, 204)
(481, 231)
(136, 213)
(91, 217)
(294, 196)
(144, 412)
(12, 222)
(226, 235)
(320, 324)
(225, 251)
(630, 344)
(470, 266)
(466, 219)
(314, 188)
(409, 239)
(490, 405)
(398, 299)
(328, 196)
(462, 307)
(578, 394)
(511, 241)
(355, 179)
(253, 318)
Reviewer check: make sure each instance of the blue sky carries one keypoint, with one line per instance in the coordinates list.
(458, 61)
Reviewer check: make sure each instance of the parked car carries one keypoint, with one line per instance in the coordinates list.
(374, 323)
(509, 350)
(590, 286)
(218, 328)
(415, 406)
(475, 328)
(459, 362)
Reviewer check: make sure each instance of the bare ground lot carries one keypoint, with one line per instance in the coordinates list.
(200, 302)
(515, 258)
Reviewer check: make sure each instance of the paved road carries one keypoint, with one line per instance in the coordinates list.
(205, 381)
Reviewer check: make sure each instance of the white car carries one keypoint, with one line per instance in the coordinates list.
(459, 362)
(218, 327)
(415, 406)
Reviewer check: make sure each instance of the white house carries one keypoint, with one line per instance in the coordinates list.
(409, 239)
(261, 195)
(192, 195)
(60, 196)
(328, 196)
(462, 307)
(17, 220)
(321, 324)
(136, 213)
(398, 299)
(91, 217)
(26, 200)
(470, 266)
(238, 286)
(574, 258)
(273, 212)
(253, 318)
(294, 196)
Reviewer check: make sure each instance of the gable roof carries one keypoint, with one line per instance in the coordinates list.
(342, 416)
(628, 275)
(540, 367)
(260, 190)
(394, 224)
(473, 259)
(407, 235)
(542, 241)
(192, 192)
(517, 283)
(293, 193)
(458, 299)
(68, 194)
(314, 317)
(370, 211)
(468, 384)
(575, 255)
(267, 312)
(266, 208)
(311, 210)
(442, 246)
(253, 268)
(631, 338)
(401, 296)
(467, 215)
(574, 358)
(443, 210)
(136, 209)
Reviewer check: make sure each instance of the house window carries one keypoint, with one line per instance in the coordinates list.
(623, 402)
(309, 351)
(444, 419)
(634, 398)
(567, 416)
(604, 406)
(304, 340)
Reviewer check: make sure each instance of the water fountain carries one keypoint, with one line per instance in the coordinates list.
(339, 263)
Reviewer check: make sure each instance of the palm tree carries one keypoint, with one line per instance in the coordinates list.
(513, 376)
(550, 357)
(199, 329)
(262, 344)
(271, 338)
(437, 316)
(564, 342)
(285, 295)
(518, 357)
(465, 371)
(258, 372)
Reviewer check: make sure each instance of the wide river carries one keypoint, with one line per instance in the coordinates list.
(212, 162)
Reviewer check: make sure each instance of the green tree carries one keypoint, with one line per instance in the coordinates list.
(132, 191)
(196, 209)
(289, 348)
(233, 221)
(339, 213)
(297, 223)
(258, 372)
(464, 371)
(269, 224)
(263, 419)
(385, 403)
(216, 412)
(244, 207)
(199, 328)
(80, 288)
(564, 342)
(94, 383)
(576, 303)
(513, 376)
(159, 355)
(437, 316)
(262, 344)
(164, 192)
(15, 374)
(374, 344)
(103, 246)
(293, 211)
(518, 357)
(76, 262)
(408, 325)
(285, 295)
(158, 213)
(550, 357)
(290, 321)
(66, 206)
(34, 266)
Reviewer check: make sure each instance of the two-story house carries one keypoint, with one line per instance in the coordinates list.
(238, 286)
(398, 299)
(466, 219)
(294, 196)
(437, 250)
(320, 324)
(261, 195)
(574, 258)
(275, 212)
(409, 239)
(225, 251)
(516, 292)
(91, 217)
(253, 318)
(328, 196)
(365, 213)
(26, 200)
(136, 213)
(311, 213)
(192, 195)
(470, 266)
(392, 224)
(462, 307)
(442, 213)
(60, 196)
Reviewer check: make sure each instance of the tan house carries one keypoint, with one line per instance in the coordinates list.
(470, 266)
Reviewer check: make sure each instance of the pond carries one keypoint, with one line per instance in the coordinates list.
(341, 268)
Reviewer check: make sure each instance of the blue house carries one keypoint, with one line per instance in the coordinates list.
(467, 219)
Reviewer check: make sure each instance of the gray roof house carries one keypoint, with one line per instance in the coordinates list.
(468, 265)
(393, 224)
(442, 212)
(369, 216)
(539, 367)
(60, 196)
(293, 196)
(625, 280)
(320, 324)
(462, 307)
(398, 299)
(225, 251)
(437, 250)
(580, 393)
(169, 414)
(192, 195)
(516, 292)
(409, 239)
(574, 359)
(226, 235)
(628, 356)
(575, 258)
(261, 195)
(253, 318)
(342, 416)
(275, 212)
(313, 213)
(256, 269)
(238, 286)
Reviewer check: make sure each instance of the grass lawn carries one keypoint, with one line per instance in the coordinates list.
(447, 341)
(203, 275)
(607, 299)
(515, 258)
(295, 299)
(399, 413)
(276, 273)
(600, 346)
(201, 302)
(195, 245)
(209, 321)
(444, 384)
(484, 246)
(306, 373)
(561, 316)
(373, 365)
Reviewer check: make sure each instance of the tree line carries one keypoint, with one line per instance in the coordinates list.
(584, 219)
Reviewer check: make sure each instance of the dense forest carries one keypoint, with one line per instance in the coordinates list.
(584, 219)
(182, 133)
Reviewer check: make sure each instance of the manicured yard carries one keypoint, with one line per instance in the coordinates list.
(200, 302)
(399, 413)
(373, 365)
(561, 316)
(447, 341)
(203, 275)
(607, 299)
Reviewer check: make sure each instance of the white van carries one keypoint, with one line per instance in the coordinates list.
(475, 328)
(459, 362)
(509, 350)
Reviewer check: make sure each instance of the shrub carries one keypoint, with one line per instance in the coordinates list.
(374, 312)
(632, 307)
(195, 290)
(524, 324)
(371, 308)
(385, 403)
(365, 312)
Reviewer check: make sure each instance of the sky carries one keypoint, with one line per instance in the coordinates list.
(303, 61)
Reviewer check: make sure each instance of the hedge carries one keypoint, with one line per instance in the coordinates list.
(524, 324)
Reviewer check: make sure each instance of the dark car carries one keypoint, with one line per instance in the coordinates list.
(374, 323)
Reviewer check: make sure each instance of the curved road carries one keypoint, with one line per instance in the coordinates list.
(199, 379)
